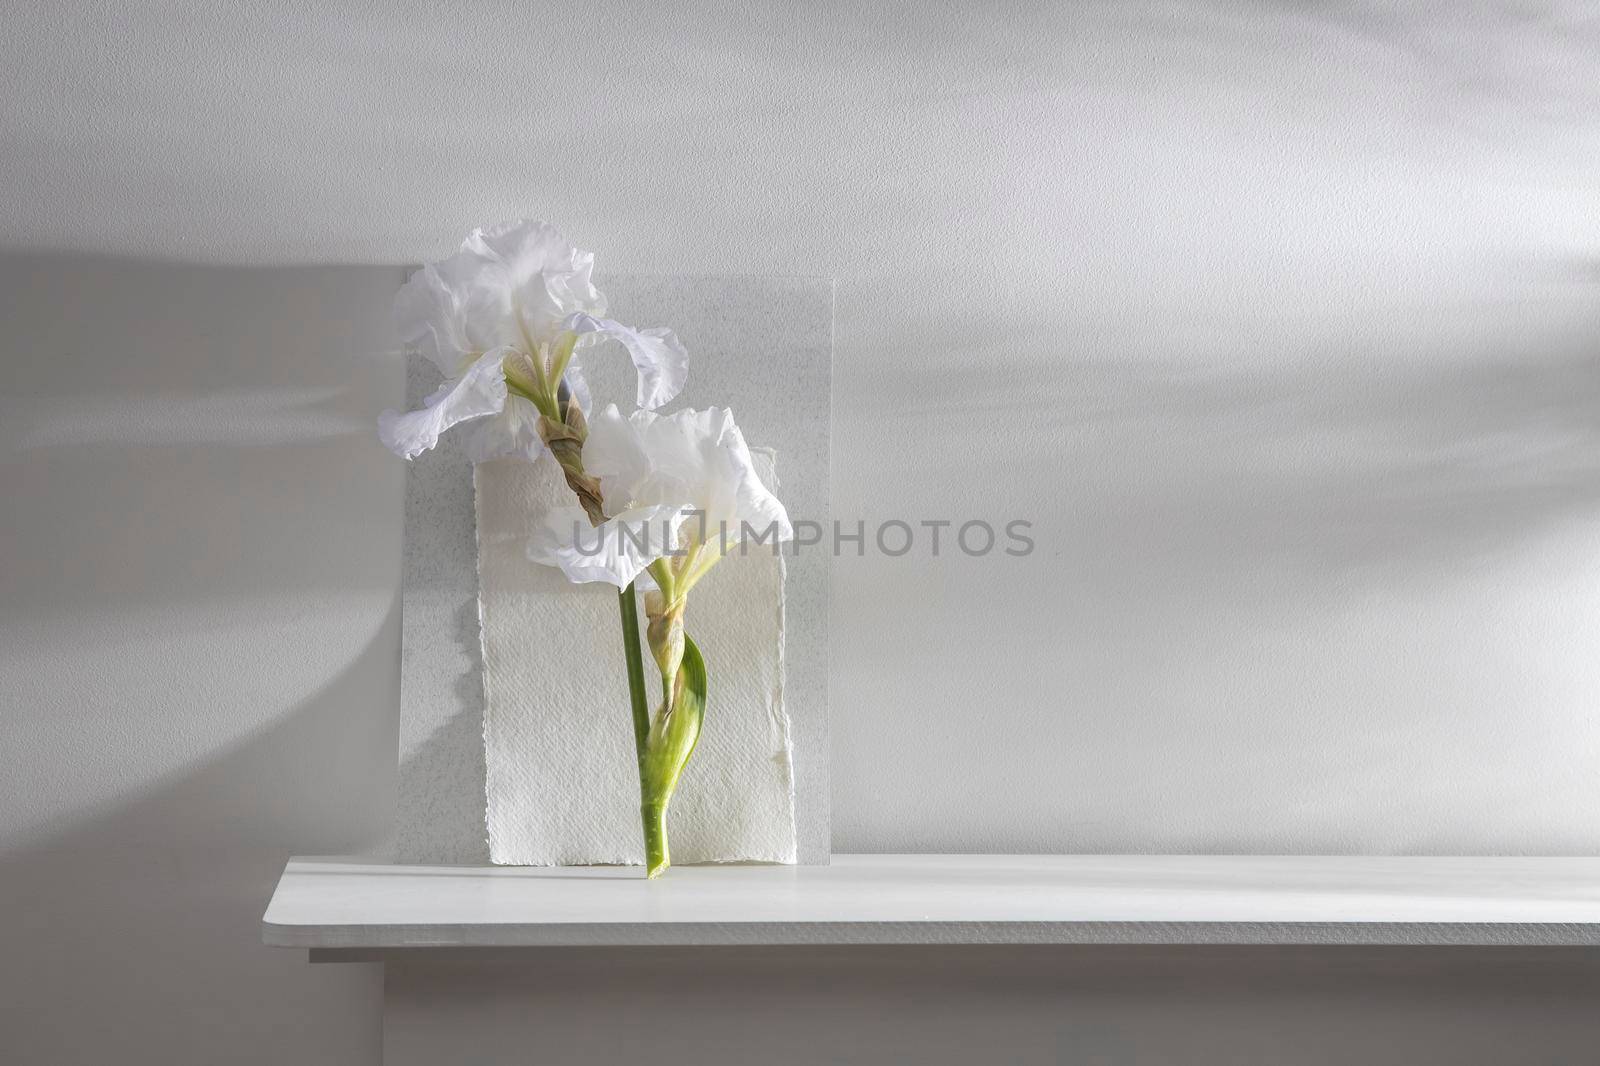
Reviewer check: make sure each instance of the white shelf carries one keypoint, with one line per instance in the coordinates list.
(344, 904)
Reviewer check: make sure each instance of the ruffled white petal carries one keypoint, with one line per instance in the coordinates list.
(479, 392)
(614, 453)
(657, 355)
(510, 284)
(693, 458)
(538, 274)
(427, 320)
(615, 552)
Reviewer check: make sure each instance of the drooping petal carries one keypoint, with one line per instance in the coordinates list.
(514, 431)
(480, 391)
(657, 355)
(616, 551)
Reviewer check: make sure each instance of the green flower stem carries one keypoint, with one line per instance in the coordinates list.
(657, 857)
(564, 435)
(653, 815)
(635, 658)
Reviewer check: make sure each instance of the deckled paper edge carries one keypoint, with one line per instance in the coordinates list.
(483, 656)
(777, 713)
(494, 841)
(778, 707)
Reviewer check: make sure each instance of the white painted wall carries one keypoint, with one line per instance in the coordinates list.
(199, 650)
(1278, 324)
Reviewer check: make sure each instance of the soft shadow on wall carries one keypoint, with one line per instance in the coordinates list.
(200, 639)
(1300, 586)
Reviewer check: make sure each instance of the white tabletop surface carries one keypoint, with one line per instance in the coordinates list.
(336, 903)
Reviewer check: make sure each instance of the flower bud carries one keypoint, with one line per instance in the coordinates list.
(665, 632)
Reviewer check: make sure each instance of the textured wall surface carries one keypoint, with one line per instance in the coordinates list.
(199, 650)
(1277, 322)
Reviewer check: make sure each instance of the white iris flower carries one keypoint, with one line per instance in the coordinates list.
(506, 320)
(680, 492)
